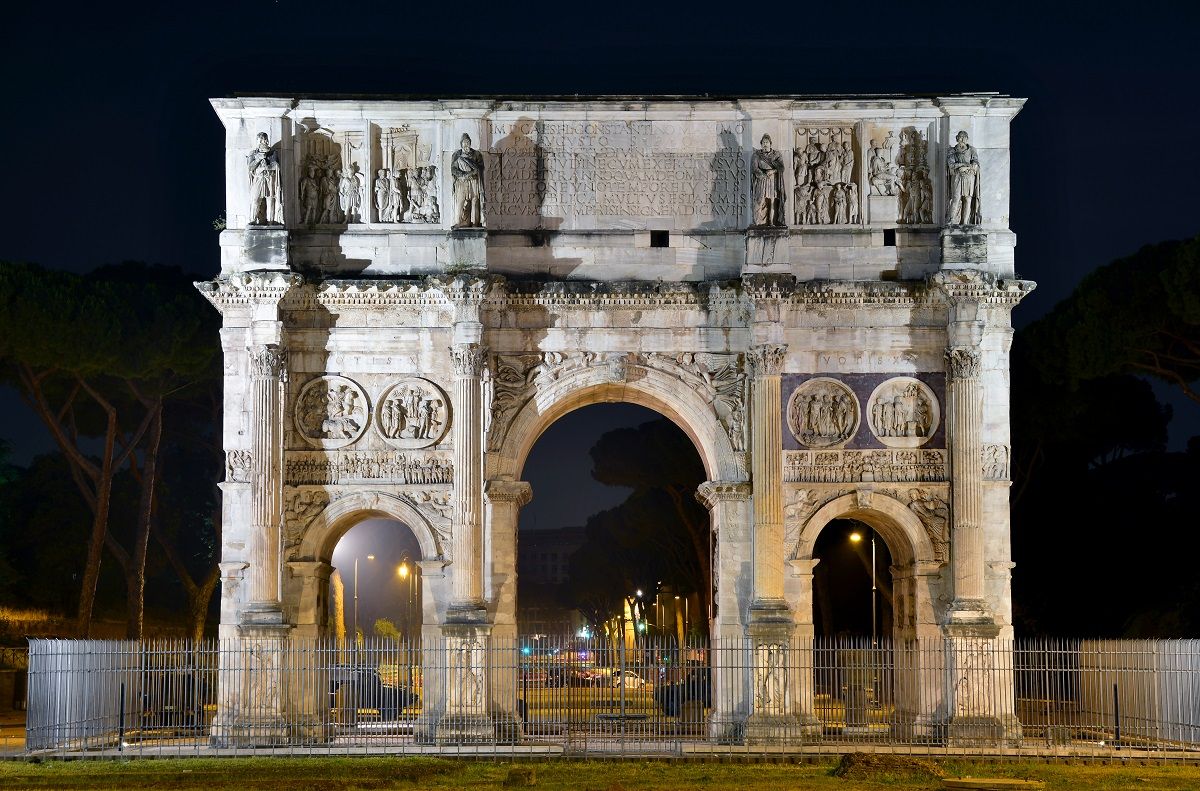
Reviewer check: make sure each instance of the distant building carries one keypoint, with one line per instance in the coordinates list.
(544, 556)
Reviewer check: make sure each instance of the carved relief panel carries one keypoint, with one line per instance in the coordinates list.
(412, 413)
(331, 411)
(406, 187)
(823, 413)
(903, 413)
(332, 175)
(824, 163)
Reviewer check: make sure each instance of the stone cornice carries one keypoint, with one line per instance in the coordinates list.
(710, 493)
(249, 288)
(494, 293)
(499, 491)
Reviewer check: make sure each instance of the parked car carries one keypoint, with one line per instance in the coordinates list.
(694, 683)
(629, 679)
(354, 688)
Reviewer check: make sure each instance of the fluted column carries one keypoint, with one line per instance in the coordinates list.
(965, 423)
(766, 471)
(268, 372)
(467, 436)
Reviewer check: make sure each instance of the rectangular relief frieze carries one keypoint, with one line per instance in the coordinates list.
(856, 466)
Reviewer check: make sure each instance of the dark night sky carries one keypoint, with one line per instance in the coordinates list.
(114, 152)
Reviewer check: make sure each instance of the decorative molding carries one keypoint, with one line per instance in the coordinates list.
(710, 493)
(766, 359)
(268, 362)
(319, 468)
(238, 466)
(516, 492)
(468, 359)
(995, 459)
(963, 362)
(331, 411)
(248, 288)
(855, 466)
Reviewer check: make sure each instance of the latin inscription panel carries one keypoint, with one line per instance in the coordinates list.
(617, 174)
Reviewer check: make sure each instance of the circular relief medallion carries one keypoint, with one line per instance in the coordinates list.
(903, 412)
(822, 413)
(331, 411)
(412, 413)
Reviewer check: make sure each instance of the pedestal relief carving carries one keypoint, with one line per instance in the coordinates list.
(766, 168)
(995, 462)
(266, 201)
(822, 413)
(237, 466)
(962, 194)
(412, 413)
(331, 412)
(826, 191)
(916, 188)
(770, 678)
(903, 412)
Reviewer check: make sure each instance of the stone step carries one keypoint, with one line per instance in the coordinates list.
(990, 783)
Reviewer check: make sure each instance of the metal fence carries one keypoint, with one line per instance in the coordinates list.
(546, 696)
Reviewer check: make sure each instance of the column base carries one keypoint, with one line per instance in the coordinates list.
(466, 614)
(767, 249)
(782, 729)
(970, 618)
(975, 731)
(465, 729)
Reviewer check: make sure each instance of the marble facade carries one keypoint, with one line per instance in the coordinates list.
(412, 291)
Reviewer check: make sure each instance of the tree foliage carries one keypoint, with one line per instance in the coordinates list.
(1139, 314)
(98, 357)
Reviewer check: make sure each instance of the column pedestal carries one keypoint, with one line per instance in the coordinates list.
(980, 688)
(253, 689)
(465, 718)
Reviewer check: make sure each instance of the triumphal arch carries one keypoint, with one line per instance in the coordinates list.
(816, 290)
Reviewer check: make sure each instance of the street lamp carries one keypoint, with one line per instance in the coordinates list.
(369, 557)
(685, 615)
(856, 538)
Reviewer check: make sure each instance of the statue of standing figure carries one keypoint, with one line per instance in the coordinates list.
(767, 168)
(265, 205)
(962, 163)
(466, 167)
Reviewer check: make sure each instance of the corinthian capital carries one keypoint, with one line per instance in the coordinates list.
(268, 362)
(468, 358)
(766, 359)
(962, 362)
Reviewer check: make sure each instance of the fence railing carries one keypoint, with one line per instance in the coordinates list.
(639, 697)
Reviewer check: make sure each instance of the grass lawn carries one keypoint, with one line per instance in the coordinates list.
(333, 774)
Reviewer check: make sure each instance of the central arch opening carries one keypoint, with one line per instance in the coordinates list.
(375, 587)
(614, 540)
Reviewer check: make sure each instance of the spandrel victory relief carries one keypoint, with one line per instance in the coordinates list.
(823, 413)
(903, 412)
(413, 413)
(331, 412)
(826, 192)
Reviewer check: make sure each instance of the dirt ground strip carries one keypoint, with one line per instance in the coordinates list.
(336, 774)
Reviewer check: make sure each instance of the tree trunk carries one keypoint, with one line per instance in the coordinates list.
(135, 575)
(91, 569)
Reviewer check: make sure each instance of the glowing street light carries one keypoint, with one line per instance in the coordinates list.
(856, 538)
